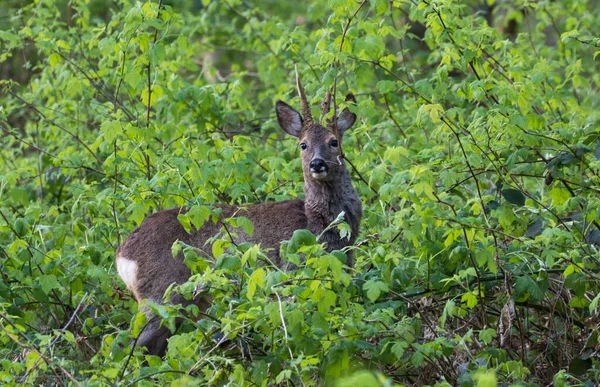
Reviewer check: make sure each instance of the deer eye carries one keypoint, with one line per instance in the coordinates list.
(303, 146)
(333, 143)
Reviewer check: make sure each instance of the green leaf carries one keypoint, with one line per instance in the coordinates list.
(326, 301)
(198, 215)
(514, 196)
(228, 262)
(185, 222)
(48, 282)
(257, 279)
(559, 196)
(417, 358)
(386, 86)
(374, 289)
(218, 247)
(527, 288)
(398, 349)
(448, 312)
(486, 335)
(299, 239)
(485, 378)
(594, 303)
(138, 212)
(393, 154)
(339, 6)
(370, 47)
(295, 319)
(379, 6)
(435, 110)
(176, 248)
(535, 228)
(157, 92)
(245, 224)
(565, 36)
(470, 299)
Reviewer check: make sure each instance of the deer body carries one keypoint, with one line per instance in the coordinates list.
(145, 261)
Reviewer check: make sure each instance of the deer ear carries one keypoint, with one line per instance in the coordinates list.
(346, 119)
(289, 119)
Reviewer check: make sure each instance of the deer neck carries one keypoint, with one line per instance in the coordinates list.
(325, 201)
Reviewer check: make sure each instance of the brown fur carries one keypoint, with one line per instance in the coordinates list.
(149, 246)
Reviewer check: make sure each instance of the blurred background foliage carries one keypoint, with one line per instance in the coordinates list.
(476, 156)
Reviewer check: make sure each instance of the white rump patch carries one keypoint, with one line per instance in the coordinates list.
(128, 271)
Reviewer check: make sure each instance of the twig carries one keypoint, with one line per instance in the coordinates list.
(33, 348)
(286, 337)
(360, 176)
(75, 136)
(77, 309)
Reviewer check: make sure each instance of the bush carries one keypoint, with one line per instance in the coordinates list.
(476, 157)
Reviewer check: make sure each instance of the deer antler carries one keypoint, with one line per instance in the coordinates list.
(305, 106)
(334, 122)
(325, 105)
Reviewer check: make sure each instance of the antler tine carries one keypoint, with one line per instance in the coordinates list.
(325, 105)
(305, 106)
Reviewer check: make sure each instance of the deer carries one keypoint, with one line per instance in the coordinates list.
(145, 261)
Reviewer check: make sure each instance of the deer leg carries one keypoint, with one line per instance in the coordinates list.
(154, 337)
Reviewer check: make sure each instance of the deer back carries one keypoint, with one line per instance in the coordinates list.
(145, 260)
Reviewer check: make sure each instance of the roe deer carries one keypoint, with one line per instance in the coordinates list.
(145, 261)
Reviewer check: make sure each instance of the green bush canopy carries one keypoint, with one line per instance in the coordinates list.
(476, 155)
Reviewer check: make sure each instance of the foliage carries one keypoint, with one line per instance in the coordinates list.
(477, 157)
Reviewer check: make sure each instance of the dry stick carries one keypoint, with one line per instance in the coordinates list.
(360, 176)
(221, 341)
(33, 348)
(404, 82)
(132, 349)
(77, 309)
(114, 207)
(285, 332)
(399, 40)
(348, 23)
(464, 153)
(147, 157)
(182, 176)
(120, 82)
(427, 322)
(39, 164)
(529, 31)
(154, 374)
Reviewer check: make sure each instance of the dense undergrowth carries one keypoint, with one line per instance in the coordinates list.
(476, 155)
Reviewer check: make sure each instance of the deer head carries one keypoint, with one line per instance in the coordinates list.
(321, 145)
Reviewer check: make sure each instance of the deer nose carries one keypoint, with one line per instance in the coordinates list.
(318, 165)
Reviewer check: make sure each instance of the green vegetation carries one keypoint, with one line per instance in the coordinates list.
(476, 155)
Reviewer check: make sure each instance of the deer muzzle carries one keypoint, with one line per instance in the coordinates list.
(318, 168)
